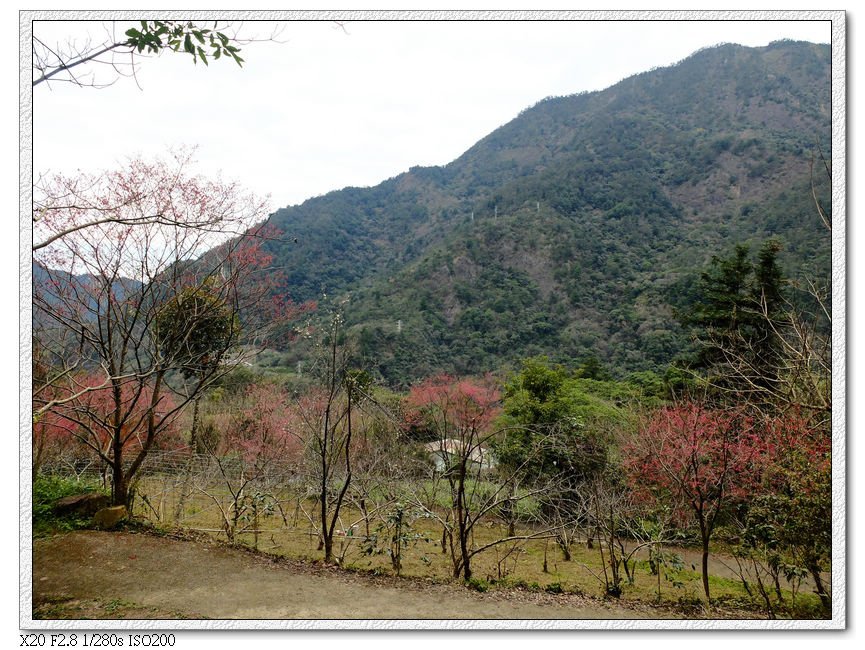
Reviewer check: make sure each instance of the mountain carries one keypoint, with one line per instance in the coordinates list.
(51, 287)
(576, 229)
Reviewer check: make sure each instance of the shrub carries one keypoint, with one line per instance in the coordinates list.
(46, 491)
(478, 584)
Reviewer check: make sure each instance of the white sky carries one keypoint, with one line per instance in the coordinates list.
(326, 108)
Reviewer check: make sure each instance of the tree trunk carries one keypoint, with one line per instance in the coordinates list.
(365, 514)
(119, 487)
(255, 524)
(820, 588)
(193, 430)
(462, 522)
(566, 548)
(705, 566)
(325, 542)
(508, 513)
(546, 568)
(180, 506)
(705, 534)
(118, 480)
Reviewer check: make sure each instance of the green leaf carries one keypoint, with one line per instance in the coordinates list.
(198, 35)
(133, 33)
(202, 55)
(188, 46)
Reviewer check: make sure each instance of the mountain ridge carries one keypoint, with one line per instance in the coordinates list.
(572, 229)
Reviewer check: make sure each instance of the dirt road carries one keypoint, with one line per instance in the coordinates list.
(93, 574)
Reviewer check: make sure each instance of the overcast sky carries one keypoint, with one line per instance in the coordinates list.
(325, 106)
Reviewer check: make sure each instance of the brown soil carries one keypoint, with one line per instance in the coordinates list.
(92, 574)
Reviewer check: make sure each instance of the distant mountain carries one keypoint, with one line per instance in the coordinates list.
(575, 229)
(51, 284)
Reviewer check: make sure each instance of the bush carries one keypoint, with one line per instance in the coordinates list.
(808, 607)
(478, 584)
(46, 491)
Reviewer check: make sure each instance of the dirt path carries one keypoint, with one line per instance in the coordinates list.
(93, 574)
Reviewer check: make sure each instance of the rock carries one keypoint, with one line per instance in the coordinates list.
(83, 505)
(108, 518)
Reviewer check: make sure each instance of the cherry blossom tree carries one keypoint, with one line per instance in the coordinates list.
(698, 460)
(787, 524)
(164, 193)
(132, 281)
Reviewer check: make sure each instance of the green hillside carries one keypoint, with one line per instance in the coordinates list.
(577, 228)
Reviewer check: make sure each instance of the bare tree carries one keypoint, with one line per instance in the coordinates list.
(331, 419)
(801, 373)
(382, 468)
(620, 531)
(251, 453)
(462, 415)
(566, 512)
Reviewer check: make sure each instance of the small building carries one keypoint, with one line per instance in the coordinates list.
(444, 453)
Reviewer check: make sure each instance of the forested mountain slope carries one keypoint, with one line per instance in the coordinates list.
(577, 228)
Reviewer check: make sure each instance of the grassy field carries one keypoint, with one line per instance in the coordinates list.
(286, 526)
